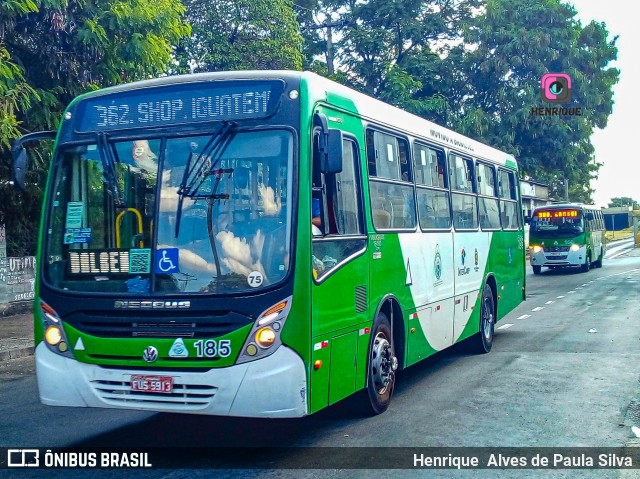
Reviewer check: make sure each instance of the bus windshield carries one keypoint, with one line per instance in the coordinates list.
(199, 214)
(557, 224)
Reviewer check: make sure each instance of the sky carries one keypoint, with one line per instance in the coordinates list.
(616, 144)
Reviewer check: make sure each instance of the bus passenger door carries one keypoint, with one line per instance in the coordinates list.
(340, 280)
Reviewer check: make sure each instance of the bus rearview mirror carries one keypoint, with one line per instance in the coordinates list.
(20, 158)
(332, 157)
(19, 171)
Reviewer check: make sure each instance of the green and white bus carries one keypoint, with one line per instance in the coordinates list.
(566, 234)
(262, 244)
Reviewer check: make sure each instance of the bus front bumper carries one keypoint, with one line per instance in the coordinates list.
(273, 387)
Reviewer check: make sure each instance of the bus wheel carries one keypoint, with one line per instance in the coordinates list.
(483, 341)
(381, 368)
(598, 263)
(587, 264)
(537, 269)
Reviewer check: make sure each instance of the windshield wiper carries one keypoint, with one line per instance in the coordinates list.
(109, 169)
(194, 174)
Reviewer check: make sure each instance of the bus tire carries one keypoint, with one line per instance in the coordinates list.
(587, 264)
(381, 369)
(598, 262)
(483, 341)
(537, 269)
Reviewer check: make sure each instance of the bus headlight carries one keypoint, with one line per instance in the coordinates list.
(537, 248)
(54, 336)
(575, 247)
(264, 338)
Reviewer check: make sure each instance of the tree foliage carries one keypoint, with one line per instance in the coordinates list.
(620, 201)
(53, 50)
(395, 50)
(476, 66)
(514, 43)
(240, 35)
(471, 65)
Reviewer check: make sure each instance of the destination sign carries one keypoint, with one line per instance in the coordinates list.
(179, 104)
(99, 261)
(557, 214)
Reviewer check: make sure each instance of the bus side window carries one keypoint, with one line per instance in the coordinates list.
(432, 188)
(487, 198)
(508, 200)
(390, 181)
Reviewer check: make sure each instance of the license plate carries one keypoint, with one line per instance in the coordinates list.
(151, 384)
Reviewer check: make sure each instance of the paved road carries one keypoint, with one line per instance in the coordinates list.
(618, 248)
(548, 381)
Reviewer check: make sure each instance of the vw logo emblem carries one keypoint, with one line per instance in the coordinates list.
(150, 354)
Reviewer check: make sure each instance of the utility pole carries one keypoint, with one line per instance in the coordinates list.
(329, 26)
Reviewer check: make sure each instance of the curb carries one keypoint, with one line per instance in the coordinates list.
(16, 353)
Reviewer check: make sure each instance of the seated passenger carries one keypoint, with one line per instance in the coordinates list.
(316, 220)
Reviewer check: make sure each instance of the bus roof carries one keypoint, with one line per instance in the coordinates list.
(556, 206)
(321, 89)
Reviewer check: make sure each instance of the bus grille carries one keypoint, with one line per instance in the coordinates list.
(184, 396)
(556, 249)
(557, 258)
(147, 326)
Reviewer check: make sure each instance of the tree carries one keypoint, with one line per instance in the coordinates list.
(510, 46)
(15, 93)
(52, 51)
(475, 66)
(621, 201)
(396, 51)
(240, 35)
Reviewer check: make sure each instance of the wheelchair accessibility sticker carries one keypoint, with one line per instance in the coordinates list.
(167, 261)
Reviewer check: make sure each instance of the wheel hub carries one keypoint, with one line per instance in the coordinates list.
(488, 318)
(383, 363)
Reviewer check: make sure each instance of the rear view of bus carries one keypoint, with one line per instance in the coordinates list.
(566, 235)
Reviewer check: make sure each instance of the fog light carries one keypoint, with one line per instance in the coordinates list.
(265, 337)
(62, 346)
(252, 350)
(53, 335)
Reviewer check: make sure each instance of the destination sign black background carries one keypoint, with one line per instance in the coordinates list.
(182, 103)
